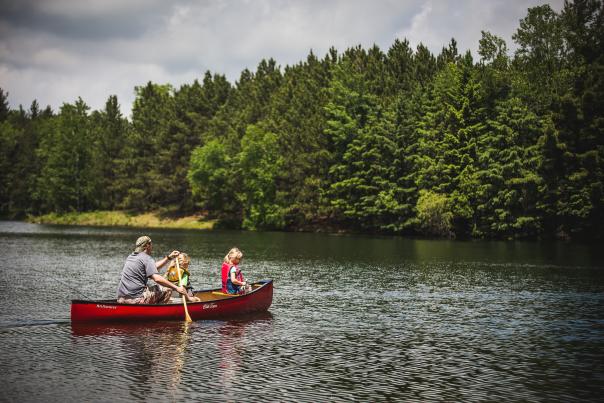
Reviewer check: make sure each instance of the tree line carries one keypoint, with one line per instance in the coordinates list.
(402, 141)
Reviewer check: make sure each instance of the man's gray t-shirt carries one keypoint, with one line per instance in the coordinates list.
(138, 268)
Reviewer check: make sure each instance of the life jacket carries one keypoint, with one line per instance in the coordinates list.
(227, 286)
(172, 275)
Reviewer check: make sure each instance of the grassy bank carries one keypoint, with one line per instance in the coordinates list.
(120, 218)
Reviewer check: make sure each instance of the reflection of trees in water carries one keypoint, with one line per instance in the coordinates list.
(232, 347)
(159, 359)
(171, 355)
(153, 353)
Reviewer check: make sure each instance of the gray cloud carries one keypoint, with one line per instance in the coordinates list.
(57, 50)
(85, 19)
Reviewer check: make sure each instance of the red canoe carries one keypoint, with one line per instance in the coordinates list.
(214, 304)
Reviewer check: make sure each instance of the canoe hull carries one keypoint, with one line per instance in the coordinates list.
(219, 306)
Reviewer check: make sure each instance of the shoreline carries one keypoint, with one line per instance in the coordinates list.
(124, 219)
(161, 219)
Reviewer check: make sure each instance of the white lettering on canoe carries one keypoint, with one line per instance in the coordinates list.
(209, 306)
(106, 306)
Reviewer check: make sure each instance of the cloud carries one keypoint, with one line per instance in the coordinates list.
(57, 50)
(439, 21)
(84, 19)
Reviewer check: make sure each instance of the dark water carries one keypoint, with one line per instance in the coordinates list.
(353, 318)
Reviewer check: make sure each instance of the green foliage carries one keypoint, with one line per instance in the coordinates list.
(448, 136)
(401, 141)
(67, 181)
(9, 138)
(541, 58)
(4, 109)
(259, 164)
(506, 193)
(434, 214)
(110, 133)
(122, 219)
(146, 158)
(213, 179)
(298, 117)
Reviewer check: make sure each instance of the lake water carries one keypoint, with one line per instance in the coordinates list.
(353, 318)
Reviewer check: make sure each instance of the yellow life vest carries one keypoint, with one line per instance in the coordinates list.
(172, 274)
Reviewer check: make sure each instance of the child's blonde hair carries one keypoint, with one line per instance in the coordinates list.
(183, 264)
(234, 253)
(183, 260)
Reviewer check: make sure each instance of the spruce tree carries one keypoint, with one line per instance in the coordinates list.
(67, 181)
(146, 152)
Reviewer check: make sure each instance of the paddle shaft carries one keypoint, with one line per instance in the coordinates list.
(184, 297)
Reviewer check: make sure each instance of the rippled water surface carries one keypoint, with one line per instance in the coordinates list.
(353, 318)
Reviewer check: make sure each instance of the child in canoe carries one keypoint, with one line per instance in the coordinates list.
(172, 275)
(233, 281)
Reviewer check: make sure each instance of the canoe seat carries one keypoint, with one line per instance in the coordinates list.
(224, 294)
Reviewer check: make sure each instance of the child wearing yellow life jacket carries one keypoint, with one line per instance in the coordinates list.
(172, 275)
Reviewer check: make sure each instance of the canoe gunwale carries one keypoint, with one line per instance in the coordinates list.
(224, 298)
(217, 306)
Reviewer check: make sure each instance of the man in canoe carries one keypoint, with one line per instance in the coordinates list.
(138, 269)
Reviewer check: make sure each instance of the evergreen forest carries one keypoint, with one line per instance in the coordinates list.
(500, 145)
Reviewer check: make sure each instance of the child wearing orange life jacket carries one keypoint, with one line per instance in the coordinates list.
(172, 275)
(233, 281)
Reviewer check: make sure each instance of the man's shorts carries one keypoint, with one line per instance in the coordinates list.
(155, 294)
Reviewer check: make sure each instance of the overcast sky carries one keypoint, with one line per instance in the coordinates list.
(57, 50)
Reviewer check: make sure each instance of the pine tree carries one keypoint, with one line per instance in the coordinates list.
(508, 162)
(400, 68)
(540, 58)
(362, 134)
(67, 181)
(297, 117)
(111, 133)
(4, 109)
(578, 115)
(448, 135)
(145, 152)
(347, 112)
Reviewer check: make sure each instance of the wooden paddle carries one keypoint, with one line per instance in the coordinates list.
(184, 297)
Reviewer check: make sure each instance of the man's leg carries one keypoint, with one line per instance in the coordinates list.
(157, 294)
(122, 300)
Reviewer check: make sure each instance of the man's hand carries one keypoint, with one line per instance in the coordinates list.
(162, 281)
(173, 254)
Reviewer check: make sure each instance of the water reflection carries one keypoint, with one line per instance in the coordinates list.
(229, 345)
(176, 357)
(356, 318)
(153, 353)
(232, 346)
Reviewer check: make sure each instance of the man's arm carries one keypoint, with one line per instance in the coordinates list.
(161, 262)
(162, 281)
